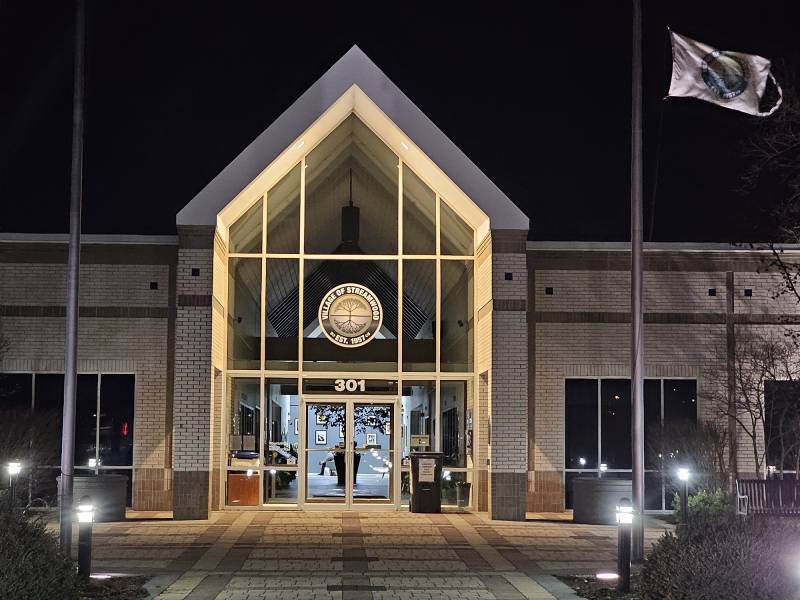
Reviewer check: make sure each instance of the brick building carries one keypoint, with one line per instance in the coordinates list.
(352, 287)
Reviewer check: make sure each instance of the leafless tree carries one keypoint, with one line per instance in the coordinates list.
(774, 154)
(758, 360)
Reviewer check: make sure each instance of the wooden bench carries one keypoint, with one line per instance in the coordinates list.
(767, 497)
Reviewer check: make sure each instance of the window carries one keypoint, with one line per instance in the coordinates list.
(419, 315)
(244, 416)
(104, 424)
(456, 423)
(782, 413)
(456, 319)
(418, 412)
(244, 313)
(245, 233)
(597, 429)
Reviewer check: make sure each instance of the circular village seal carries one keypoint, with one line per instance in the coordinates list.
(724, 73)
(350, 315)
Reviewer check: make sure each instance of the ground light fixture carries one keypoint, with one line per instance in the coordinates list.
(624, 519)
(606, 576)
(85, 510)
(683, 476)
(14, 468)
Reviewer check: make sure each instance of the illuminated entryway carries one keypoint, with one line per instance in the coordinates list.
(350, 267)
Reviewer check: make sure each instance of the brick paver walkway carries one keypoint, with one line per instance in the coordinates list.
(358, 556)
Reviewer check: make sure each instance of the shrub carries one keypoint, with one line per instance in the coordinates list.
(706, 509)
(730, 559)
(31, 564)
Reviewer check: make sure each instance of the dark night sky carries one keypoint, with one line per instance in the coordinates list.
(539, 101)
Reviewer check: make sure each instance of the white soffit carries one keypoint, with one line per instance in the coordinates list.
(354, 82)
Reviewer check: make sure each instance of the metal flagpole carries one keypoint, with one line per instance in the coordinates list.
(637, 351)
(73, 270)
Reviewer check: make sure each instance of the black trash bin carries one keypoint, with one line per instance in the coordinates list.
(426, 482)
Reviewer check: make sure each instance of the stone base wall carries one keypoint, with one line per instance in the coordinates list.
(507, 493)
(190, 494)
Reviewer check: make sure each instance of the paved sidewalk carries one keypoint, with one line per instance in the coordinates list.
(359, 556)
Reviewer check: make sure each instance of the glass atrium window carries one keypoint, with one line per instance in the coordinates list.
(351, 193)
(419, 315)
(245, 233)
(418, 416)
(457, 325)
(283, 214)
(283, 314)
(456, 236)
(281, 424)
(244, 416)
(419, 215)
(244, 313)
(456, 421)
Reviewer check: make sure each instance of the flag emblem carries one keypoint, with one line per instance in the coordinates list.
(725, 73)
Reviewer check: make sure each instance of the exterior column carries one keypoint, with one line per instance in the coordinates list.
(508, 398)
(191, 445)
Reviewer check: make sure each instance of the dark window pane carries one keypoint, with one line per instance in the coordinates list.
(782, 412)
(652, 424)
(48, 408)
(16, 392)
(86, 421)
(116, 420)
(282, 425)
(652, 490)
(615, 423)
(680, 399)
(580, 423)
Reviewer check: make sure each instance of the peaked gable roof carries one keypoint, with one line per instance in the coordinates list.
(354, 68)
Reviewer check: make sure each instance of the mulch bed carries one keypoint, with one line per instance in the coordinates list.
(116, 588)
(592, 589)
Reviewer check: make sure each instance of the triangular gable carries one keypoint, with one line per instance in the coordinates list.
(353, 73)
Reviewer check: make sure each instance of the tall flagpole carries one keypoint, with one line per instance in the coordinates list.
(73, 270)
(637, 350)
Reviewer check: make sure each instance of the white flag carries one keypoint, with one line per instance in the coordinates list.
(730, 79)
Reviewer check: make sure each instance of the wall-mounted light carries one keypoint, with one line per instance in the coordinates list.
(404, 145)
(300, 144)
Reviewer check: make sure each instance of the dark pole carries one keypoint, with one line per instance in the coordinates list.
(73, 269)
(637, 350)
(85, 519)
(685, 501)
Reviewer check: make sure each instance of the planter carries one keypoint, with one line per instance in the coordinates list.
(338, 461)
(462, 494)
(594, 500)
(108, 494)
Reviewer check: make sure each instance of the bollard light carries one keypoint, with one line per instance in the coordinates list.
(603, 468)
(683, 475)
(14, 468)
(771, 469)
(85, 520)
(273, 471)
(624, 520)
(86, 510)
(582, 461)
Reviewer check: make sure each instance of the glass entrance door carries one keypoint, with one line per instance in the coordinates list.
(350, 452)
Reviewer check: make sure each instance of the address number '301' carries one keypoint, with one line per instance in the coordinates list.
(349, 385)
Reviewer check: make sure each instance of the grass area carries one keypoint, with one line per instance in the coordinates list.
(592, 589)
(116, 588)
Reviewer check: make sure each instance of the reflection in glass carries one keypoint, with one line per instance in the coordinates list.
(456, 488)
(326, 461)
(116, 420)
(280, 487)
(244, 313)
(456, 237)
(351, 193)
(16, 392)
(456, 423)
(456, 315)
(373, 460)
(680, 400)
(615, 423)
(244, 411)
(86, 421)
(283, 214)
(419, 215)
(282, 314)
(419, 315)
(281, 425)
(580, 423)
(418, 410)
(245, 233)
(49, 409)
